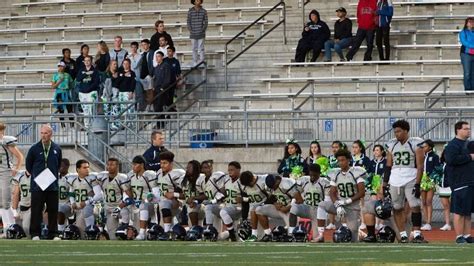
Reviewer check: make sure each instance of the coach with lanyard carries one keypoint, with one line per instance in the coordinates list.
(43, 156)
(460, 165)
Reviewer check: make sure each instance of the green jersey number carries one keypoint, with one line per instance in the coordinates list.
(282, 199)
(209, 195)
(255, 198)
(164, 187)
(312, 199)
(24, 190)
(110, 195)
(231, 196)
(63, 193)
(81, 195)
(401, 158)
(137, 192)
(346, 190)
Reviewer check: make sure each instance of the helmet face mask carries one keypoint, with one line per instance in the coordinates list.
(245, 230)
(210, 233)
(15, 231)
(342, 235)
(386, 235)
(194, 234)
(126, 232)
(92, 233)
(383, 208)
(300, 233)
(71, 232)
(279, 233)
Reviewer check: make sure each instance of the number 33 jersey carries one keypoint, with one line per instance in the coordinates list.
(113, 188)
(404, 160)
(346, 183)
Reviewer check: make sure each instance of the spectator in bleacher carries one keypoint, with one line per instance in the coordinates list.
(146, 74)
(62, 83)
(315, 33)
(160, 32)
(118, 53)
(342, 36)
(88, 82)
(382, 33)
(135, 60)
(110, 89)
(175, 74)
(163, 48)
(69, 62)
(466, 36)
(102, 58)
(80, 58)
(366, 18)
(197, 26)
(152, 154)
(161, 82)
(293, 164)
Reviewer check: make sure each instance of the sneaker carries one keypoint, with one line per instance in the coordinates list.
(426, 227)
(56, 238)
(140, 237)
(35, 238)
(266, 238)
(461, 240)
(362, 226)
(331, 226)
(419, 239)
(404, 239)
(369, 239)
(327, 60)
(252, 238)
(342, 59)
(446, 227)
(319, 239)
(232, 237)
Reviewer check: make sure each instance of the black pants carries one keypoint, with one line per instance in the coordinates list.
(361, 34)
(304, 46)
(61, 110)
(38, 201)
(158, 106)
(382, 35)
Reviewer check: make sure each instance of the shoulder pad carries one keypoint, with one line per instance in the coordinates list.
(102, 175)
(217, 174)
(122, 176)
(130, 174)
(302, 180)
(176, 173)
(415, 141)
(333, 172)
(9, 140)
(149, 174)
(390, 143)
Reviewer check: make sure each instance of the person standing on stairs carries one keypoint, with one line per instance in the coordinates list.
(197, 25)
(366, 18)
(382, 32)
(466, 36)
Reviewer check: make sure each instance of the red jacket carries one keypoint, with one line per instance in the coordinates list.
(366, 16)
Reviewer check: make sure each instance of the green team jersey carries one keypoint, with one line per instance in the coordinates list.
(23, 182)
(113, 188)
(313, 193)
(258, 193)
(142, 184)
(82, 187)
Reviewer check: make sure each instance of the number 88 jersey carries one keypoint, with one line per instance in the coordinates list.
(346, 183)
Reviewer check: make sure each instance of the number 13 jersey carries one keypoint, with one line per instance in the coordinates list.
(403, 160)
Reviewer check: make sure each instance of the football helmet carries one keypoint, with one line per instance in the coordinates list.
(71, 232)
(342, 235)
(104, 235)
(154, 231)
(279, 234)
(245, 230)
(300, 234)
(126, 232)
(92, 232)
(383, 208)
(195, 233)
(386, 235)
(178, 232)
(210, 233)
(15, 231)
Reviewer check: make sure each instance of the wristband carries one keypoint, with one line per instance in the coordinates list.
(213, 201)
(348, 201)
(176, 195)
(245, 199)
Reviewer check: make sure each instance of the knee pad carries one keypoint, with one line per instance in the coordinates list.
(144, 215)
(125, 215)
(321, 214)
(226, 217)
(166, 213)
(258, 210)
(293, 209)
(416, 219)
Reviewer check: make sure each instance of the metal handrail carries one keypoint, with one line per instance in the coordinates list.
(282, 21)
(445, 87)
(304, 11)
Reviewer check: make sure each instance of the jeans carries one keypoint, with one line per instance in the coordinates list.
(382, 35)
(343, 43)
(362, 34)
(198, 51)
(467, 62)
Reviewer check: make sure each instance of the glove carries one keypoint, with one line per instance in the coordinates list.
(116, 212)
(89, 201)
(137, 203)
(15, 213)
(386, 192)
(129, 201)
(339, 203)
(340, 212)
(416, 191)
(149, 197)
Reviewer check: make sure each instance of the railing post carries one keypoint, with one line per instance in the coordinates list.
(284, 22)
(445, 87)
(225, 67)
(312, 95)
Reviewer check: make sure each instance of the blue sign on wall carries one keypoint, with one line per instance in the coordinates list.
(328, 126)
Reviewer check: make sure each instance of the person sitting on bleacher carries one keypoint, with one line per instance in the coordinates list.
(342, 36)
(316, 32)
(366, 18)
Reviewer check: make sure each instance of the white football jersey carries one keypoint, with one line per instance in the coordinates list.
(113, 188)
(82, 187)
(313, 193)
(23, 182)
(142, 184)
(170, 181)
(286, 190)
(214, 184)
(258, 193)
(403, 160)
(346, 183)
(6, 158)
(63, 186)
(191, 190)
(232, 190)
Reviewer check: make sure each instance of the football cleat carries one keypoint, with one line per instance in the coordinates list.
(266, 238)
(166, 236)
(251, 238)
(419, 239)
(370, 239)
(140, 237)
(331, 226)
(404, 239)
